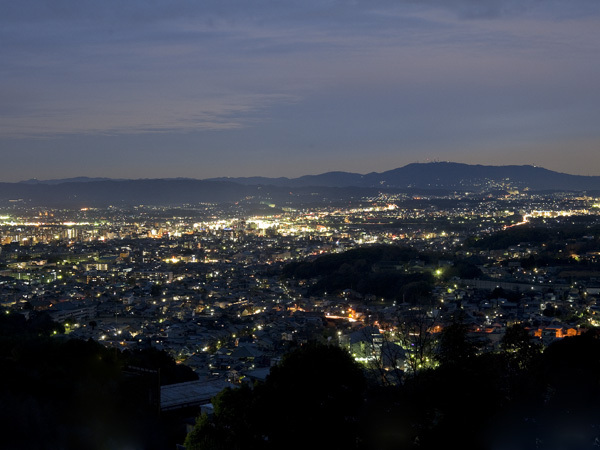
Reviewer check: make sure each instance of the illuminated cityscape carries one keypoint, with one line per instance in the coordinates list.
(234, 225)
(229, 289)
(191, 280)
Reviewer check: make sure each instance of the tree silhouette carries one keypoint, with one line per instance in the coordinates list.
(416, 334)
(455, 345)
(312, 399)
(518, 344)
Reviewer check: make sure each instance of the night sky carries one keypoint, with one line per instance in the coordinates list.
(180, 88)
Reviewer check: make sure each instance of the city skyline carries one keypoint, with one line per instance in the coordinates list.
(235, 89)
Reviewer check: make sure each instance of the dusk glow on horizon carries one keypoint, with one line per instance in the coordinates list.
(265, 88)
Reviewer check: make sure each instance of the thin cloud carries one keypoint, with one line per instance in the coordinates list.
(217, 114)
(326, 80)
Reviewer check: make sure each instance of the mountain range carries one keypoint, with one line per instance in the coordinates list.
(416, 177)
(439, 175)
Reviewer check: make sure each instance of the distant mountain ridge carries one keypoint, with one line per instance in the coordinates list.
(79, 180)
(441, 176)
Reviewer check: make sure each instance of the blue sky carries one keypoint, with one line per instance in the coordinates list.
(144, 89)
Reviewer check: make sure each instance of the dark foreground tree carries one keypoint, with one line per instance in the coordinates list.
(311, 400)
(235, 423)
(71, 394)
(456, 347)
(316, 393)
(416, 333)
(519, 346)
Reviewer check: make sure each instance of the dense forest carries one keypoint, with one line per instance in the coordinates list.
(383, 271)
(357, 269)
